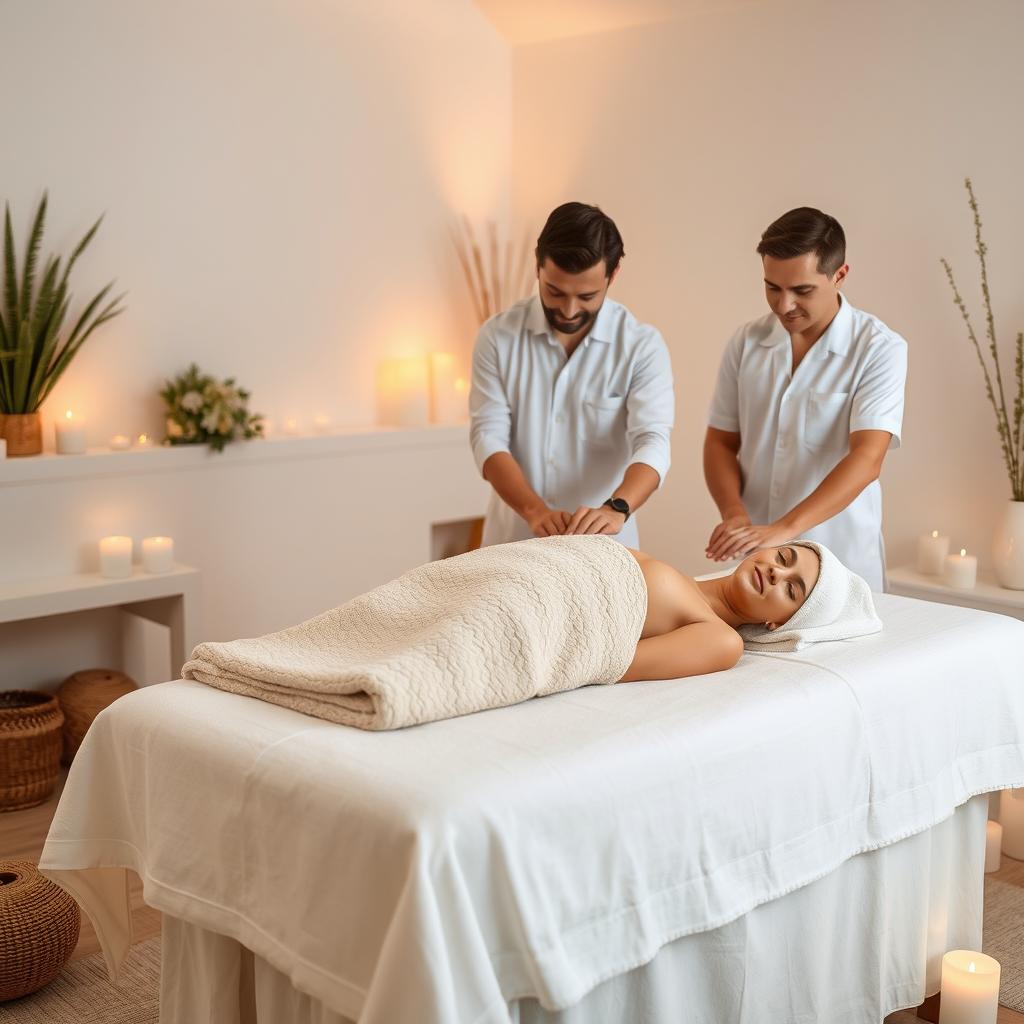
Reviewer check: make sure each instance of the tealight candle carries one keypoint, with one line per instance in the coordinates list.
(120, 443)
(143, 441)
(322, 424)
(70, 431)
(993, 845)
(970, 988)
(291, 427)
(961, 571)
(157, 554)
(116, 557)
(931, 553)
(1011, 817)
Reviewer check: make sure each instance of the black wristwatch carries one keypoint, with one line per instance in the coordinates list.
(619, 505)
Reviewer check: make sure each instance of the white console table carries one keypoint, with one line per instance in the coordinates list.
(170, 599)
(987, 595)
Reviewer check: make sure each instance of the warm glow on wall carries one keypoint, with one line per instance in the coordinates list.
(403, 391)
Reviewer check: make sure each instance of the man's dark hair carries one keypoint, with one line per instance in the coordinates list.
(805, 230)
(576, 236)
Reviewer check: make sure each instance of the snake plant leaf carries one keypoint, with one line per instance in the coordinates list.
(10, 273)
(21, 368)
(45, 361)
(80, 248)
(28, 271)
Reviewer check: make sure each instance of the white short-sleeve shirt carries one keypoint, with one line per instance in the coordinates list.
(795, 427)
(573, 424)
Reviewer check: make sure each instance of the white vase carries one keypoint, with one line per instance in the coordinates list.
(1008, 546)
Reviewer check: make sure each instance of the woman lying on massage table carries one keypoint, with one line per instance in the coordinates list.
(505, 623)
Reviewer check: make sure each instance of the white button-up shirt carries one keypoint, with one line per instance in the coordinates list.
(574, 425)
(795, 427)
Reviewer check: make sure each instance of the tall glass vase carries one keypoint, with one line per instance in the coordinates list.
(1008, 546)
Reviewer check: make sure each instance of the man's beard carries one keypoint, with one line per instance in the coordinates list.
(584, 319)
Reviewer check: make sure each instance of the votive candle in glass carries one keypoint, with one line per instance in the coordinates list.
(157, 554)
(116, 557)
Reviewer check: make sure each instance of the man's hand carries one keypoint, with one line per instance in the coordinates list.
(726, 527)
(740, 539)
(596, 520)
(547, 522)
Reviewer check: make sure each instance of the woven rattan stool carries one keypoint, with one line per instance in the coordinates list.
(39, 925)
(83, 696)
(30, 747)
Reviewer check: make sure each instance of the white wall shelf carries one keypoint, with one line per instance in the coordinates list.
(101, 462)
(170, 599)
(986, 595)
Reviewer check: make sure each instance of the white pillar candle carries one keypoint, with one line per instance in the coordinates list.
(1011, 817)
(116, 557)
(970, 988)
(3, 447)
(931, 553)
(403, 392)
(993, 845)
(120, 443)
(961, 571)
(143, 441)
(70, 431)
(157, 554)
(449, 393)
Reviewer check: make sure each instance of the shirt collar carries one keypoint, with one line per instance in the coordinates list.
(537, 322)
(837, 338)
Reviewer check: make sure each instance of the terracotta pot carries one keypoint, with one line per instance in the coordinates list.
(23, 432)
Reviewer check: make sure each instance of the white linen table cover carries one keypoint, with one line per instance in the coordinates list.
(437, 873)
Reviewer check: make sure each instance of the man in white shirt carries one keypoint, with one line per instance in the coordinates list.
(571, 403)
(809, 399)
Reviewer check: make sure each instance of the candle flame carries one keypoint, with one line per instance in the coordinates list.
(143, 438)
(972, 968)
(963, 552)
(69, 415)
(935, 533)
(461, 384)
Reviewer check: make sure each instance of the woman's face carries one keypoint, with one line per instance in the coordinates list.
(771, 584)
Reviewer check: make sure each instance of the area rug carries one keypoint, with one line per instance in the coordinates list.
(1003, 938)
(81, 994)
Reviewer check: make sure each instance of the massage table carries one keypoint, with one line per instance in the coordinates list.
(798, 839)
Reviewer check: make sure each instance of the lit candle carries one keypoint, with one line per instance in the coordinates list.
(143, 441)
(448, 392)
(322, 424)
(961, 571)
(70, 430)
(291, 427)
(403, 392)
(931, 553)
(157, 554)
(1011, 817)
(970, 988)
(120, 443)
(993, 845)
(116, 557)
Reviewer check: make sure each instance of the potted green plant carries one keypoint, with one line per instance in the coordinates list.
(35, 347)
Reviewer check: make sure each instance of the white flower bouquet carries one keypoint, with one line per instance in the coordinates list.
(203, 410)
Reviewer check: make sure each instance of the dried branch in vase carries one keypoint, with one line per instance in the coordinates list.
(497, 275)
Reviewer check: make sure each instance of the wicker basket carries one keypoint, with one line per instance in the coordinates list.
(82, 696)
(30, 746)
(39, 925)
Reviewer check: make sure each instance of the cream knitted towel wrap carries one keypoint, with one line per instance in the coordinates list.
(481, 630)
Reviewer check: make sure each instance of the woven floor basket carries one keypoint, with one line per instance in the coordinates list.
(39, 925)
(30, 747)
(82, 696)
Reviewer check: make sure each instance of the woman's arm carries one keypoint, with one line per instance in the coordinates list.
(690, 650)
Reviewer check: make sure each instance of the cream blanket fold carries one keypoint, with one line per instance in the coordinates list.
(481, 630)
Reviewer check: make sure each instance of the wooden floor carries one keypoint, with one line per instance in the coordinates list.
(22, 834)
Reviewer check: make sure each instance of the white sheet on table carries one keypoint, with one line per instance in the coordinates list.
(539, 849)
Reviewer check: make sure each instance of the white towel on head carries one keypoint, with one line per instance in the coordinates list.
(839, 607)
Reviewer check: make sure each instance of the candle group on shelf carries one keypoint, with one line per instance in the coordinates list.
(418, 390)
(970, 988)
(959, 571)
(70, 434)
(116, 556)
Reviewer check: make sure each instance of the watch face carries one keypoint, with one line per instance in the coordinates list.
(620, 505)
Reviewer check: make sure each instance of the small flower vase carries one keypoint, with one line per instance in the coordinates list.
(1008, 547)
(23, 432)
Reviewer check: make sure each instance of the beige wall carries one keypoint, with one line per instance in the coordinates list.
(695, 134)
(278, 178)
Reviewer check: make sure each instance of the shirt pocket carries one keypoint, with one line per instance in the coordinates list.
(604, 420)
(826, 420)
